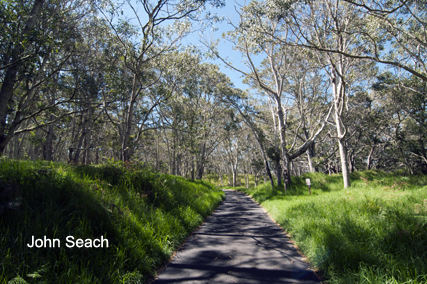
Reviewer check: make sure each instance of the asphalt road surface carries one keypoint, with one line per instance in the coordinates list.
(238, 243)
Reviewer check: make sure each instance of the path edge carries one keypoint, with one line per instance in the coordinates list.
(163, 267)
(305, 259)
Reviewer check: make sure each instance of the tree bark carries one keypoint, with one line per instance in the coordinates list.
(423, 150)
(343, 152)
(201, 161)
(279, 173)
(157, 152)
(310, 155)
(126, 153)
(86, 146)
(192, 168)
(369, 159)
(48, 147)
(15, 153)
(285, 159)
(258, 138)
(338, 89)
(178, 165)
(234, 171)
(88, 136)
(344, 163)
(97, 156)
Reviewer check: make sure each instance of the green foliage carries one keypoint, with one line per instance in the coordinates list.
(373, 232)
(145, 216)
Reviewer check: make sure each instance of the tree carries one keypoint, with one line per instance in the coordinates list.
(34, 47)
(154, 40)
(271, 77)
(196, 119)
(400, 24)
(239, 101)
(405, 101)
(329, 25)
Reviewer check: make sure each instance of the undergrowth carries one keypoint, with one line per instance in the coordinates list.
(373, 232)
(144, 216)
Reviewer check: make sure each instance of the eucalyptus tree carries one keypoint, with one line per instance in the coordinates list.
(323, 26)
(145, 38)
(251, 156)
(232, 149)
(85, 116)
(170, 71)
(179, 116)
(82, 79)
(387, 32)
(38, 38)
(405, 103)
(391, 33)
(271, 76)
(195, 120)
(364, 129)
(309, 89)
(248, 111)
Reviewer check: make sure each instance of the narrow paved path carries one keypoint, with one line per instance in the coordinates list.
(238, 243)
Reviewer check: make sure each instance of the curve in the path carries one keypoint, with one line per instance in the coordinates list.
(238, 243)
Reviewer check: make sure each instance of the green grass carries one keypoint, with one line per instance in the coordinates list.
(145, 216)
(215, 180)
(373, 232)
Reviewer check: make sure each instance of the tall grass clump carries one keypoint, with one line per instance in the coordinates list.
(373, 232)
(143, 215)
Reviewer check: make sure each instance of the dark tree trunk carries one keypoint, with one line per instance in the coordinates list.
(48, 147)
(201, 161)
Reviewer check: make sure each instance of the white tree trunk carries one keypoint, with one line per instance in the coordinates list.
(343, 151)
(126, 153)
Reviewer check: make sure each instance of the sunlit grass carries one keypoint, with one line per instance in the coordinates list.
(373, 232)
(228, 179)
(145, 216)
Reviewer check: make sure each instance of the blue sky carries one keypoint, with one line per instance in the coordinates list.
(211, 33)
(224, 47)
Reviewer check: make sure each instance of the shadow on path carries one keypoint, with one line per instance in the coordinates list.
(238, 243)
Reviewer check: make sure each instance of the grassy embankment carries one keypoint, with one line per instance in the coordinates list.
(144, 216)
(373, 232)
